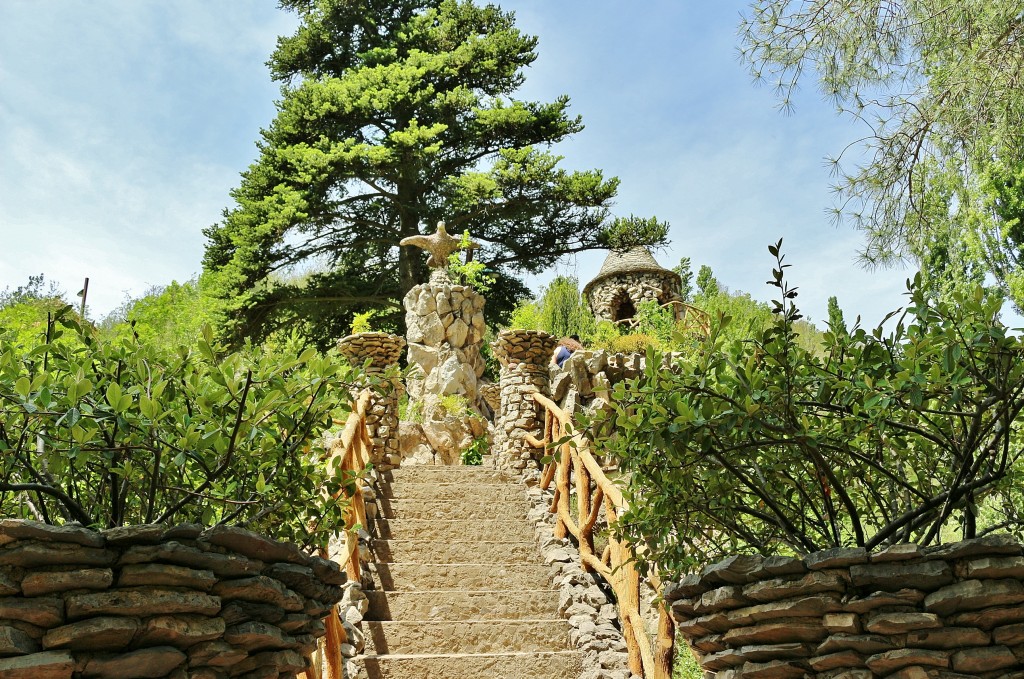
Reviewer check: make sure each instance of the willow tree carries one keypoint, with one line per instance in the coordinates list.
(940, 87)
(393, 116)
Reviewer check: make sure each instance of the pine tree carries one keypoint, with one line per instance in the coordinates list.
(395, 115)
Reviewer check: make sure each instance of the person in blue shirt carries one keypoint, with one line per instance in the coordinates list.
(566, 347)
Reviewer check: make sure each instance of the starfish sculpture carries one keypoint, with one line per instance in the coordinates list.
(440, 245)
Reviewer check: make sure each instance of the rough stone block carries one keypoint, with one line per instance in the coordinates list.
(223, 565)
(862, 643)
(903, 597)
(46, 665)
(948, 638)
(890, 661)
(14, 641)
(901, 622)
(38, 584)
(924, 575)
(166, 575)
(842, 623)
(259, 589)
(93, 634)
(984, 659)
(141, 602)
(833, 661)
(994, 567)
(35, 554)
(799, 631)
(837, 557)
(180, 631)
(972, 595)
(785, 588)
(143, 664)
(21, 529)
(41, 612)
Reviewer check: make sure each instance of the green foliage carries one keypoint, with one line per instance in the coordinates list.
(474, 454)
(112, 431)
(165, 317)
(361, 322)
(685, 271)
(940, 84)
(605, 335)
(707, 285)
(470, 272)
(836, 322)
(25, 312)
(634, 342)
(560, 311)
(394, 116)
(685, 666)
(763, 445)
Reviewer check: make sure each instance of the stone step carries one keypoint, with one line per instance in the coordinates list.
(550, 665)
(490, 636)
(404, 577)
(463, 508)
(436, 551)
(460, 605)
(444, 530)
(416, 490)
(445, 474)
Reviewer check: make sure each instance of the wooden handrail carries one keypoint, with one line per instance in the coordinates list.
(349, 458)
(572, 459)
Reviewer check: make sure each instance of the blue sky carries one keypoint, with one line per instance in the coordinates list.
(124, 125)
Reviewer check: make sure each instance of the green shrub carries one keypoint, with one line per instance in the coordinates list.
(474, 454)
(112, 431)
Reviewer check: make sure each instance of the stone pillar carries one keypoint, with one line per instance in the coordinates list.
(524, 357)
(383, 349)
(445, 328)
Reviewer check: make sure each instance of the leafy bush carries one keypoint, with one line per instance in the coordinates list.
(765, 446)
(111, 431)
(633, 343)
(474, 454)
(472, 273)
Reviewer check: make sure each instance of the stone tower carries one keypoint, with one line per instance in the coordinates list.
(628, 278)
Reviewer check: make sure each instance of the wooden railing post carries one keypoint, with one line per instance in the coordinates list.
(594, 492)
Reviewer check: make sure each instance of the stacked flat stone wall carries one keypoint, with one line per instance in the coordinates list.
(383, 351)
(949, 612)
(524, 356)
(607, 295)
(154, 601)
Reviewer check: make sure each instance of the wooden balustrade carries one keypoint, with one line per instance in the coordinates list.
(572, 460)
(349, 458)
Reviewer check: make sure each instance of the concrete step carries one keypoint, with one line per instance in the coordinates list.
(490, 636)
(550, 665)
(416, 490)
(404, 577)
(466, 509)
(435, 551)
(445, 474)
(444, 530)
(459, 605)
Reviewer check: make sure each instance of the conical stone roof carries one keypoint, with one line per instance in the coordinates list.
(637, 259)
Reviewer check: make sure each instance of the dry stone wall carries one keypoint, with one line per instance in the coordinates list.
(524, 356)
(586, 378)
(954, 611)
(157, 601)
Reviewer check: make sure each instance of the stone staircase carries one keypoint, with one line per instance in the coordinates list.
(462, 591)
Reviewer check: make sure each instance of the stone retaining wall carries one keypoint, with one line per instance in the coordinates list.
(157, 601)
(948, 612)
(590, 610)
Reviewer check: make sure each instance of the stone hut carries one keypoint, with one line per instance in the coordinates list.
(628, 278)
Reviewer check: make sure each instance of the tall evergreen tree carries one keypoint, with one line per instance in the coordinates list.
(395, 115)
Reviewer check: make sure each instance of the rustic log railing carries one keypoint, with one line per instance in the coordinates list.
(573, 461)
(348, 458)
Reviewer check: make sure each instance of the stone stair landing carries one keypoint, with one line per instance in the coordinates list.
(462, 591)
